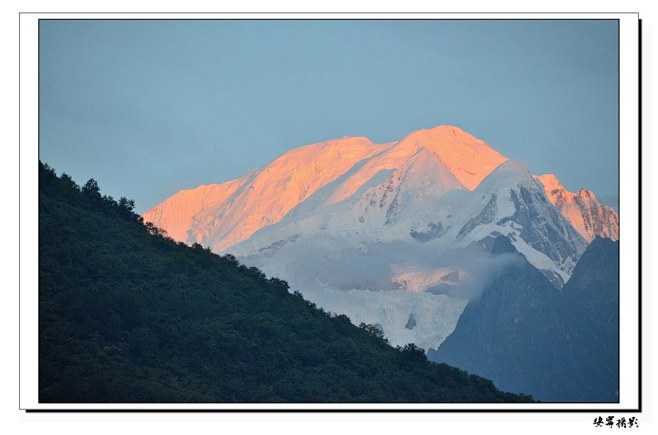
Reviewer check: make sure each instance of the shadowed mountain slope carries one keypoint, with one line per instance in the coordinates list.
(558, 345)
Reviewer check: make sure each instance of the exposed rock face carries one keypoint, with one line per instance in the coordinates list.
(587, 215)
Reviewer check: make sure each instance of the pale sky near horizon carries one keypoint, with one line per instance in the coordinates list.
(151, 107)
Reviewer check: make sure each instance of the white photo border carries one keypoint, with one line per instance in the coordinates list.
(629, 211)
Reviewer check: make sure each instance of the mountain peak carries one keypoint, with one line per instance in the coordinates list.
(513, 166)
(470, 159)
(586, 194)
(581, 209)
(510, 172)
(446, 129)
(440, 133)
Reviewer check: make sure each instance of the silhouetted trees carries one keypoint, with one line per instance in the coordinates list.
(91, 188)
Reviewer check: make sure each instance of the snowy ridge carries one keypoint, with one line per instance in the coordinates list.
(261, 197)
(438, 159)
(589, 217)
(177, 214)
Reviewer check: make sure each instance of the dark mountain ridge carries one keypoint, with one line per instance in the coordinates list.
(128, 315)
(526, 335)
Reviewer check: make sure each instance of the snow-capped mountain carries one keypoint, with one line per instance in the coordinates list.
(389, 234)
(431, 162)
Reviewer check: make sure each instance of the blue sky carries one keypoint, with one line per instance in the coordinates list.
(151, 107)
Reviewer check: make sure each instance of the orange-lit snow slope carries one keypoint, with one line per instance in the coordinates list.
(238, 208)
(589, 217)
(222, 215)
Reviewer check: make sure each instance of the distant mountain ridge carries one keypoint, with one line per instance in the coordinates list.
(559, 346)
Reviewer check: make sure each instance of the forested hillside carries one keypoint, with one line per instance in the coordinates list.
(128, 315)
